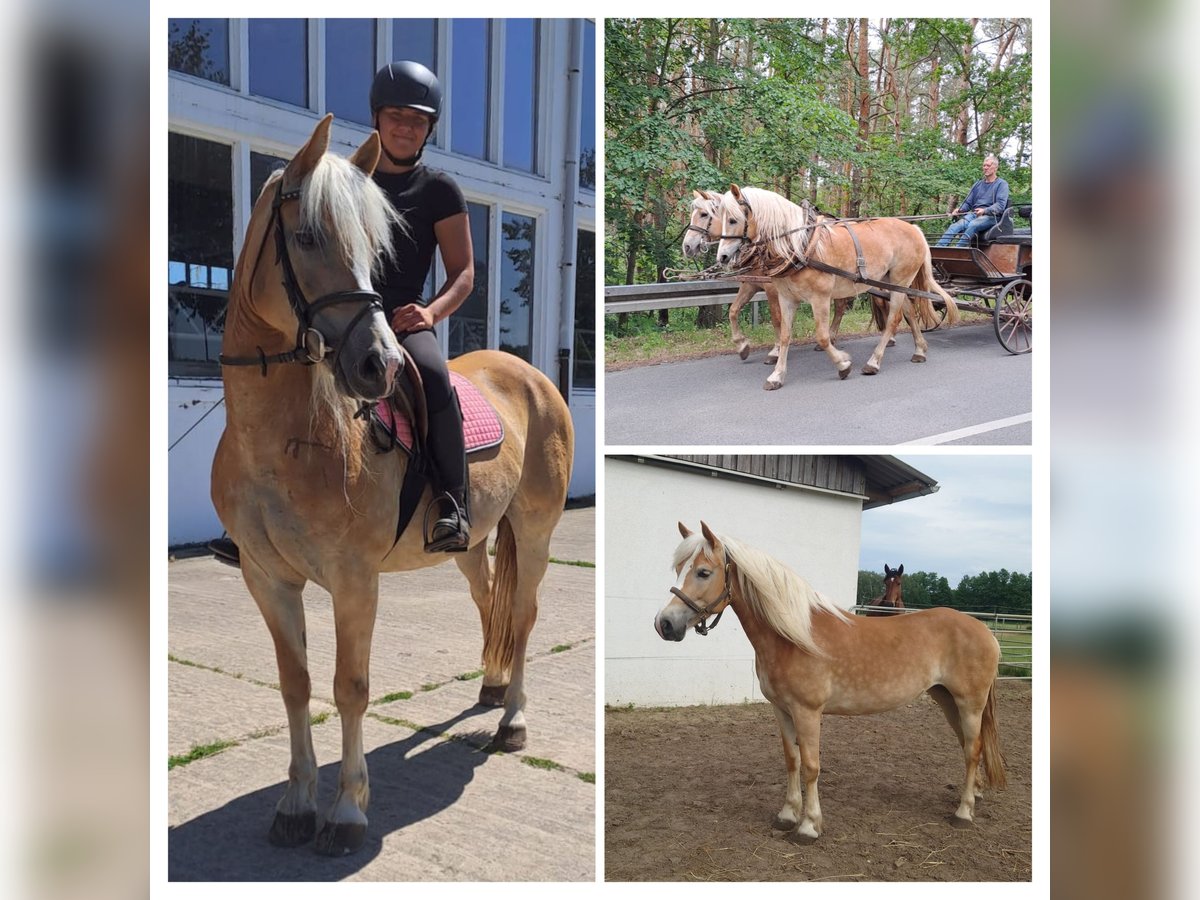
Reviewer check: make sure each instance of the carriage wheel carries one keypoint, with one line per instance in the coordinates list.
(1014, 316)
(939, 312)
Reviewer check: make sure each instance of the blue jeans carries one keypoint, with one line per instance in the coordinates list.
(968, 226)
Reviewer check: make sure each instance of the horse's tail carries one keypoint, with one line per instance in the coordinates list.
(992, 760)
(879, 312)
(498, 636)
(925, 282)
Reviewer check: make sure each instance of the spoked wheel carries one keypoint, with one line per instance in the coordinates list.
(1014, 316)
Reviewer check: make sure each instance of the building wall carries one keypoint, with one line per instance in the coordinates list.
(817, 534)
(230, 115)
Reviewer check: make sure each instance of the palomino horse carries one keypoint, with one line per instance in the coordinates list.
(300, 488)
(812, 658)
(893, 593)
(789, 236)
(704, 230)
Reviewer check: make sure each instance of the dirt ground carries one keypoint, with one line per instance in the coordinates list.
(691, 792)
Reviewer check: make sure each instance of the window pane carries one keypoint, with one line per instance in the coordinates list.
(469, 324)
(261, 167)
(520, 93)
(585, 311)
(349, 68)
(516, 285)
(587, 121)
(415, 39)
(199, 47)
(200, 251)
(469, 109)
(279, 60)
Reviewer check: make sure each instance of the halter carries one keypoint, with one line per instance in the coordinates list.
(311, 344)
(702, 627)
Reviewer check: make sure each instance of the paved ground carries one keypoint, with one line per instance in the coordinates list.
(971, 390)
(440, 808)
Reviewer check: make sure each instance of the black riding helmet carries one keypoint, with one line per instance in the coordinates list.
(407, 85)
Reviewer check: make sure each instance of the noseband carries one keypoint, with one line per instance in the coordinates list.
(311, 344)
(702, 627)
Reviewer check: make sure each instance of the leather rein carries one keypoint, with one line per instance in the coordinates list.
(704, 612)
(311, 344)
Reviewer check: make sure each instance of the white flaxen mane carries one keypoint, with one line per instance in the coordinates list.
(783, 226)
(776, 594)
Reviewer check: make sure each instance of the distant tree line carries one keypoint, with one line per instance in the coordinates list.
(1001, 591)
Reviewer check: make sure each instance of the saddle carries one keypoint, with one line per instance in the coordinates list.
(401, 422)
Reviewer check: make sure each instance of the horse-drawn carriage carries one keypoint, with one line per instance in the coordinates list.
(996, 273)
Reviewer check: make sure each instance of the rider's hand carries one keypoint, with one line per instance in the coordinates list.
(412, 317)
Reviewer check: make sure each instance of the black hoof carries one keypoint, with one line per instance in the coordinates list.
(918, 358)
(780, 824)
(508, 738)
(772, 386)
(340, 839)
(961, 823)
(770, 360)
(744, 352)
(292, 831)
(797, 837)
(870, 370)
(492, 694)
(844, 373)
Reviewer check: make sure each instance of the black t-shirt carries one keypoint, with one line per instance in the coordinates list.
(424, 197)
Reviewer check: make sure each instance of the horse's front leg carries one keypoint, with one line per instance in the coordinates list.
(920, 345)
(354, 606)
(808, 735)
(789, 816)
(282, 607)
(787, 311)
(840, 358)
(745, 292)
(895, 313)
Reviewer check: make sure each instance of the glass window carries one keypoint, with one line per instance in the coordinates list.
(470, 86)
(520, 93)
(469, 324)
(584, 362)
(349, 68)
(199, 47)
(415, 39)
(279, 60)
(261, 167)
(587, 110)
(200, 251)
(516, 284)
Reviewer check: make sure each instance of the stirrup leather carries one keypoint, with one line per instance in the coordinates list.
(454, 536)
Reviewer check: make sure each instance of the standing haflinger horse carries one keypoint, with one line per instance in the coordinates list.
(797, 249)
(893, 593)
(304, 493)
(703, 230)
(812, 658)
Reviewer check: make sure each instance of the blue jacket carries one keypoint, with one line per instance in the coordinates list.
(993, 197)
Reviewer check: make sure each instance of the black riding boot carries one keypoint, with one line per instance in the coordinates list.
(226, 551)
(450, 532)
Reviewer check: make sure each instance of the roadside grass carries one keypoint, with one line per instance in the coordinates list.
(642, 340)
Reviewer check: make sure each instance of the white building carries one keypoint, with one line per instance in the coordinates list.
(518, 136)
(806, 511)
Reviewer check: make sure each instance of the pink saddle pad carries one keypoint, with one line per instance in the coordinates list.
(481, 426)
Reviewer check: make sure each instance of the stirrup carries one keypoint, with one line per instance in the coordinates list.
(455, 536)
(226, 551)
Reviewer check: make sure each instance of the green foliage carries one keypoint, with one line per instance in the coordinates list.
(1000, 591)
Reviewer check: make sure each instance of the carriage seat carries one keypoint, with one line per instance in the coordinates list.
(1002, 228)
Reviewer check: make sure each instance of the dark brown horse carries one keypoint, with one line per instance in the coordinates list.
(893, 593)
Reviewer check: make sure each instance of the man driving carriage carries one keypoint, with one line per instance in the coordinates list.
(982, 207)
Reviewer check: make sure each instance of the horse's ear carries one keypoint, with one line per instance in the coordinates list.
(366, 157)
(736, 191)
(684, 530)
(900, 571)
(713, 540)
(711, 195)
(886, 571)
(310, 154)
(700, 195)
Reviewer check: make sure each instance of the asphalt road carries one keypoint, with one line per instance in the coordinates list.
(971, 391)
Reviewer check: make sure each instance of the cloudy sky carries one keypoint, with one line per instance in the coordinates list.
(978, 521)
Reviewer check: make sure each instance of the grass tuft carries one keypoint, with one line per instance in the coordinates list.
(199, 752)
(538, 763)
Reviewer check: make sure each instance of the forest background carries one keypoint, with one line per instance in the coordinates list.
(861, 117)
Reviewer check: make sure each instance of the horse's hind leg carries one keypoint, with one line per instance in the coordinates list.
(282, 608)
(895, 313)
(476, 565)
(776, 321)
(354, 607)
(950, 710)
(970, 718)
(789, 816)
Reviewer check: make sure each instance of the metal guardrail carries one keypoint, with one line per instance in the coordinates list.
(1018, 654)
(623, 298)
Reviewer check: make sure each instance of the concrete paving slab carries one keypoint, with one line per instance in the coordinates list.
(440, 810)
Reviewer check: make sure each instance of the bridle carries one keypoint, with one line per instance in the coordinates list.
(311, 344)
(704, 611)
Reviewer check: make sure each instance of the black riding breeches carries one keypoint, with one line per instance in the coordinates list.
(423, 347)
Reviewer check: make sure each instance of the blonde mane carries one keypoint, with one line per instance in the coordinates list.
(783, 226)
(776, 594)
